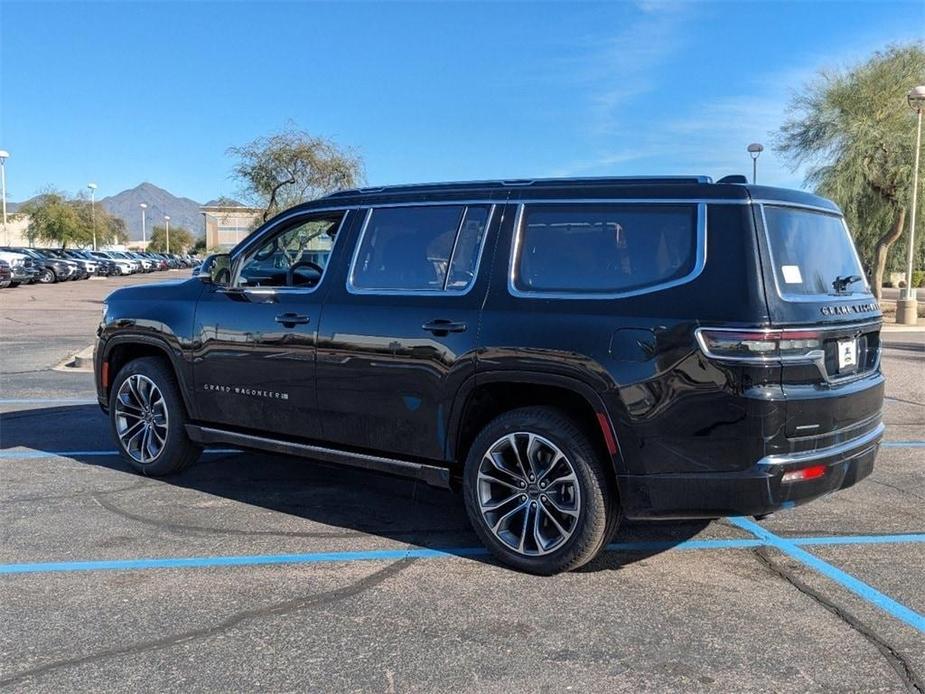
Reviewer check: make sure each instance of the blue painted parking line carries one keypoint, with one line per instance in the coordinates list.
(901, 539)
(34, 455)
(903, 444)
(844, 579)
(396, 554)
(48, 401)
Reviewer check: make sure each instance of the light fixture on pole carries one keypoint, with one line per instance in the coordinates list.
(92, 187)
(907, 310)
(755, 149)
(4, 155)
(167, 230)
(144, 235)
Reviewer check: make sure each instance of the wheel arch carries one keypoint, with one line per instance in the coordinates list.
(121, 349)
(485, 396)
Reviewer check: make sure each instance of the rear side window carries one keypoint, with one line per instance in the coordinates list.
(604, 249)
(810, 251)
(427, 248)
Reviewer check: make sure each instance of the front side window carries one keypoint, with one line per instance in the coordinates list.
(605, 248)
(812, 253)
(428, 248)
(295, 257)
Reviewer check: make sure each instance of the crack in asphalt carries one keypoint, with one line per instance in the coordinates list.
(74, 495)
(99, 498)
(275, 610)
(910, 678)
(899, 489)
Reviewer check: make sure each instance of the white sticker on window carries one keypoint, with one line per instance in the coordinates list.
(791, 274)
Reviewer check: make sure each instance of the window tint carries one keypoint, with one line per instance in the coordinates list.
(809, 250)
(604, 248)
(433, 248)
(295, 257)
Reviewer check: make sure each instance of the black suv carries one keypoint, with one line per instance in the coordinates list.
(564, 352)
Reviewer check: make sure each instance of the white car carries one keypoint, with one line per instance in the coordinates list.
(124, 266)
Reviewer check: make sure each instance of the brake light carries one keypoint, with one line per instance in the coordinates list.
(807, 473)
(760, 345)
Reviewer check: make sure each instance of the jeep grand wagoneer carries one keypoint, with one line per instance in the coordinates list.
(563, 352)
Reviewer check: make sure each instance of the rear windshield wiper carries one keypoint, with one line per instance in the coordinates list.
(842, 282)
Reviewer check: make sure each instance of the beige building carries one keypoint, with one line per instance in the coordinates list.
(14, 232)
(226, 225)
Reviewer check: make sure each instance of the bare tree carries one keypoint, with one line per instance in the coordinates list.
(289, 167)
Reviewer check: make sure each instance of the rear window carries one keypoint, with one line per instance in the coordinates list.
(604, 249)
(810, 251)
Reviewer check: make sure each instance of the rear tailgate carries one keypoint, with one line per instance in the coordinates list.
(814, 282)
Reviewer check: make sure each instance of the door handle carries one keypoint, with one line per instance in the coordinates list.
(441, 327)
(290, 320)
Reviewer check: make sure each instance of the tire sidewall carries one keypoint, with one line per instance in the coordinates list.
(596, 497)
(174, 455)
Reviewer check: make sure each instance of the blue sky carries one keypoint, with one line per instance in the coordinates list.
(120, 93)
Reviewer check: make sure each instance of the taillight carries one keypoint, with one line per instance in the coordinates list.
(802, 475)
(760, 345)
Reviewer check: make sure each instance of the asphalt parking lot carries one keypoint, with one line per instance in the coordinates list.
(259, 572)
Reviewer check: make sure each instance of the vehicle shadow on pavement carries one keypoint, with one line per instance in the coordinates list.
(344, 502)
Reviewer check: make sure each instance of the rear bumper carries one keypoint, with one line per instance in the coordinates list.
(756, 491)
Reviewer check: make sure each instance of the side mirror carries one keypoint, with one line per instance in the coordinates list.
(216, 269)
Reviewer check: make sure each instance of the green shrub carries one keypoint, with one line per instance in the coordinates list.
(918, 278)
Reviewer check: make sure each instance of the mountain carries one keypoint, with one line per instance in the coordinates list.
(183, 211)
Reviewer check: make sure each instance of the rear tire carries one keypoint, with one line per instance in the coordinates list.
(148, 419)
(47, 276)
(537, 491)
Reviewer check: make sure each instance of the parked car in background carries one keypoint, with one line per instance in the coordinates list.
(50, 269)
(85, 269)
(22, 267)
(125, 265)
(104, 266)
(6, 274)
(146, 264)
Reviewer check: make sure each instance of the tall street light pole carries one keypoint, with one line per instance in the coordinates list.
(92, 187)
(4, 155)
(144, 235)
(167, 230)
(907, 310)
(755, 149)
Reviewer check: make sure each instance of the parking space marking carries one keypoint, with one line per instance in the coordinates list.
(48, 401)
(844, 579)
(423, 553)
(903, 444)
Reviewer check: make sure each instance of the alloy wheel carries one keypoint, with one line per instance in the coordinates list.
(528, 493)
(141, 418)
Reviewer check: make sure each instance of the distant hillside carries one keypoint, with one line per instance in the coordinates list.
(183, 211)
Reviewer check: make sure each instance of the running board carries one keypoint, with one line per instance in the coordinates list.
(431, 474)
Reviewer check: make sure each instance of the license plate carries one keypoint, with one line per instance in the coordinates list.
(847, 354)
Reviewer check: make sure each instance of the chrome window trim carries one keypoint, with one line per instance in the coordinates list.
(272, 291)
(700, 257)
(362, 291)
(810, 298)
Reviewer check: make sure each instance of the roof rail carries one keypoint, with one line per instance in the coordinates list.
(525, 182)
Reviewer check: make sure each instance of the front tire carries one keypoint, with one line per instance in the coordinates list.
(537, 492)
(47, 276)
(148, 419)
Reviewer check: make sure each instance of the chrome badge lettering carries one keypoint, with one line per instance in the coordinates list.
(845, 309)
(244, 390)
